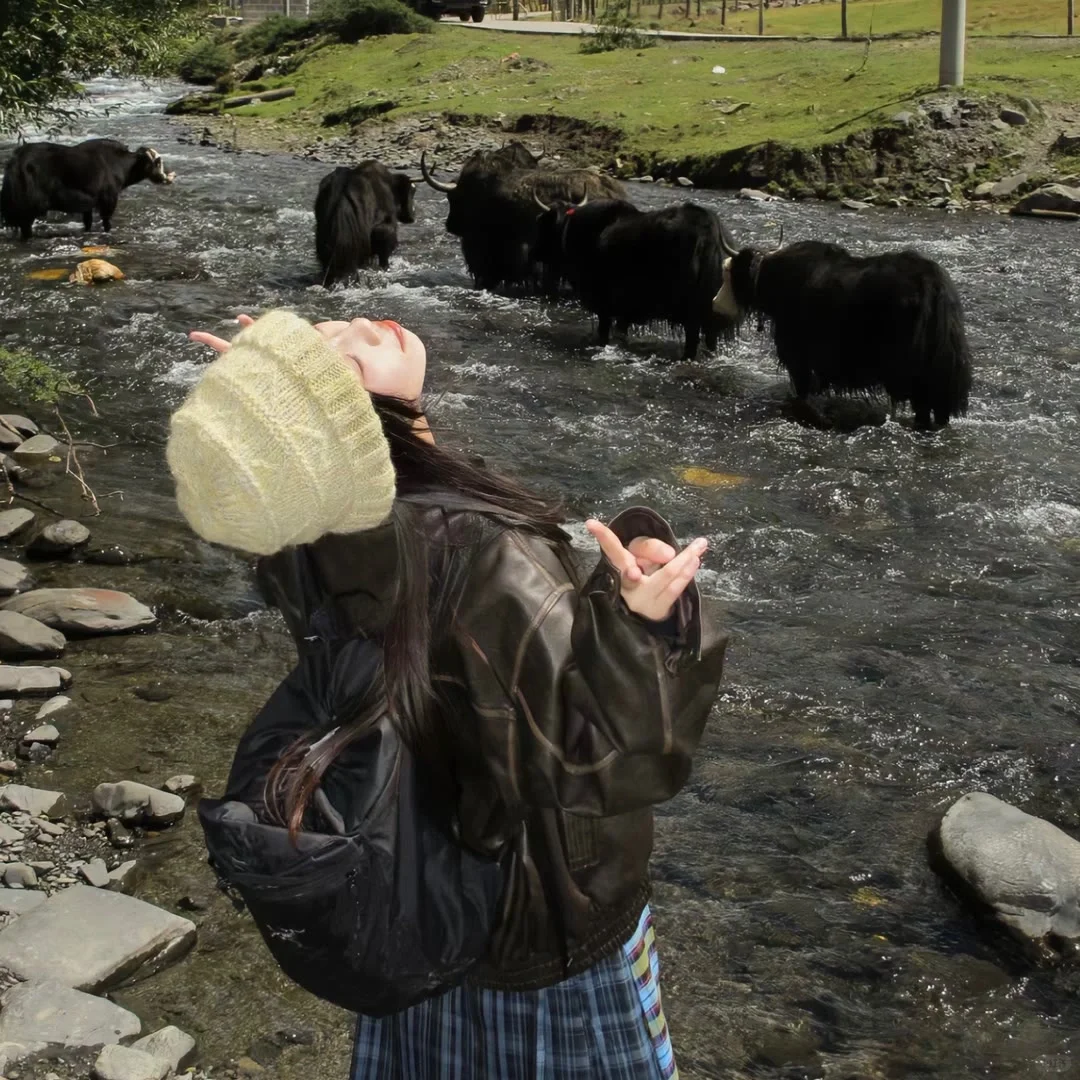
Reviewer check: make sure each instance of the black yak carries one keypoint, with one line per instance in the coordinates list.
(849, 324)
(639, 267)
(492, 210)
(44, 176)
(357, 212)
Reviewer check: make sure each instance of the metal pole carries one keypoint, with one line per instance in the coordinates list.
(953, 27)
(760, 17)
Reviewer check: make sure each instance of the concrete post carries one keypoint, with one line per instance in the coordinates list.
(953, 29)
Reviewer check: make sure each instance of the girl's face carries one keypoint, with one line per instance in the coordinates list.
(389, 359)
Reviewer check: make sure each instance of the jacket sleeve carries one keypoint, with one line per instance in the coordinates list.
(581, 705)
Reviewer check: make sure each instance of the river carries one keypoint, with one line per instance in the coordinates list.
(904, 607)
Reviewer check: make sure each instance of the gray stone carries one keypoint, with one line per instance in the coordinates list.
(29, 680)
(854, 204)
(36, 449)
(124, 1063)
(19, 876)
(122, 879)
(91, 939)
(83, 611)
(9, 767)
(1000, 124)
(54, 705)
(14, 521)
(1049, 200)
(8, 835)
(178, 785)
(755, 195)
(137, 803)
(19, 901)
(1024, 868)
(95, 873)
(905, 118)
(684, 181)
(1068, 142)
(170, 1044)
(985, 189)
(59, 538)
(47, 1016)
(46, 734)
(1012, 117)
(13, 576)
(36, 802)
(22, 637)
(50, 828)
(22, 424)
(9, 439)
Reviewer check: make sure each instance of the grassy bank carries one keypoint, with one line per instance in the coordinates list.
(666, 101)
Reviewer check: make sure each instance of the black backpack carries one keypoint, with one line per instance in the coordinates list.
(376, 906)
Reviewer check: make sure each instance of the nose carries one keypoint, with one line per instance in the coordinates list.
(367, 330)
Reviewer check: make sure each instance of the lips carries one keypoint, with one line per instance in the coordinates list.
(396, 329)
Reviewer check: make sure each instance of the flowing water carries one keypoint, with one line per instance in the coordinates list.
(904, 607)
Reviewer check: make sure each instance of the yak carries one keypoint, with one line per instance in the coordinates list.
(44, 176)
(492, 210)
(851, 324)
(639, 267)
(357, 212)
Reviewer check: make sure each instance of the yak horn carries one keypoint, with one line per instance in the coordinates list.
(584, 199)
(729, 251)
(438, 185)
(539, 202)
(537, 158)
(780, 242)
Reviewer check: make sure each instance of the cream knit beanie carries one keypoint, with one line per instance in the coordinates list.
(279, 443)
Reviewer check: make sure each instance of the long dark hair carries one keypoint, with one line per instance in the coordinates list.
(431, 574)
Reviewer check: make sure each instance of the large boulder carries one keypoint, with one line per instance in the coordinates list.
(22, 637)
(1051, 201)
(16, 681)
(137, 804)
(1025, 870)
(83, 611)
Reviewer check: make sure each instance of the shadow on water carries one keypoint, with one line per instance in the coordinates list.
(904, 607)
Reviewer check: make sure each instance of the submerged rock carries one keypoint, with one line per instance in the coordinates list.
(46, 733)
(59, 538)
(137, 803)
(22, 637)
(60, 703)
(83, 611)
(90, 938)
(1024, 869)
(36, 449)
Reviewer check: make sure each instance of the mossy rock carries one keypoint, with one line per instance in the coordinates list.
(196, 105)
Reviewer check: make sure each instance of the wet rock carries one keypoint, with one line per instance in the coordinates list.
(22, 424)
(1050, 199)
(9, 835)
(13, 576)
(154, 691)
(50, 828)
(46, 734)
(95, 873)
(37, 802)
(1024, 869)
(29, 680)
(83, 611)
(124, 1063)
(1012, 117)
(48, 1016)
(13, 522)
(755, 195)
(59, 538)
(180, 785)
(22, 637)
(55, 705)
(984, 190)
(137, 803)
(122, 879)
(170, 1045)
(684, 181)
(113, 555)
(19, 901)
(118, 836)
(854, 204)
(36, 449)
(91, 938)
(19, 876)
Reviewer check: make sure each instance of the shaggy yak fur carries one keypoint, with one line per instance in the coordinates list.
(493, 210)
(639, 268)
(356, 217)
(847, 324)
(44, 176)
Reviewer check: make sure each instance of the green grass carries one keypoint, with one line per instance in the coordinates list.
(666, 100)
(889, 17)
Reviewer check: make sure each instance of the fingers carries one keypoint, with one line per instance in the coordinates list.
(670, 581)
(245, 320)
(215, 343)
(616, 554)
(650, 552)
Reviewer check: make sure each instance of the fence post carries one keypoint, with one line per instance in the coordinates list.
(760, 17)
(953, 29)
(843, 18)
(1070, 18)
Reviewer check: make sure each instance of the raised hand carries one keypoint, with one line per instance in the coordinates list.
(216, 343)
(652, 576)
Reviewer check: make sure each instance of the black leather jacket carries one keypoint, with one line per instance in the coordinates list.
(570, 719)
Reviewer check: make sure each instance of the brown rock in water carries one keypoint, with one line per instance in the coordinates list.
(93, 270)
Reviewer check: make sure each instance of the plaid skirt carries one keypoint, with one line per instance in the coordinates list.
(605, 1024)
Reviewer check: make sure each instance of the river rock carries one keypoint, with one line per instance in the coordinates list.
(755, 195)
(59, 538)
(984, 190)
(95, 873)
(9, 835)
(180, 785)
(1068, 142)
(14, 521)
(122, 879)
(91, 938)
(83, 611)
(55, 705)
(19, 876)
(1052, 197)
(36, 449)
(9, 439)
(1025, 869)
(37, 802)
(170, 1044)
(684, 181)
(22, 637)
(1013, 117)
(45, 733)
(137, 803)
(1009, 184)
(124, 1063)
(46, 1016)
(30, 680)
(13, 576)
(854, 204)
(22, 424)
(19, 901)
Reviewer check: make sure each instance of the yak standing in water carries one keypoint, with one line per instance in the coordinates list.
(638, 267)
(357, 212)
(492, 210)
(44, 176)
(850, 324)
